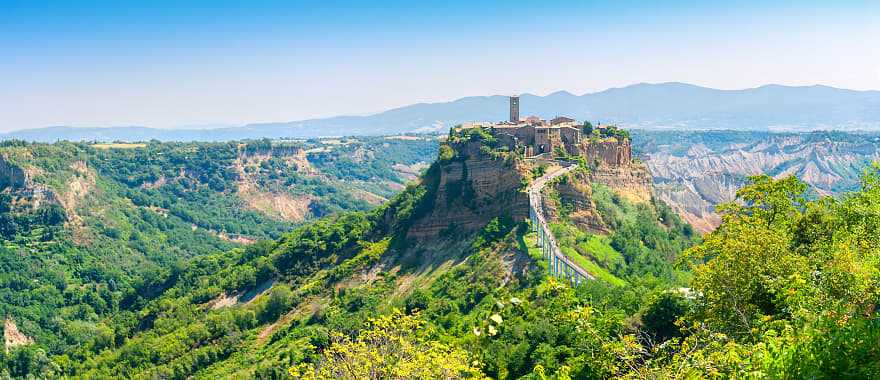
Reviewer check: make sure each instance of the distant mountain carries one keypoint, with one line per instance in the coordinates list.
(648, 106)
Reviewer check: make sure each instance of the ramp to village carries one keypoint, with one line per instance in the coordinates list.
(560, 265)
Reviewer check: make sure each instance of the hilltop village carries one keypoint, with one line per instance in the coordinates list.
(486, 168)
(559, 137)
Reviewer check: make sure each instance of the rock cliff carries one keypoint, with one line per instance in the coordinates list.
(575, 191)
(473, 188)
(632, 181)
(610, 151)
(479, 184)
(11, 176)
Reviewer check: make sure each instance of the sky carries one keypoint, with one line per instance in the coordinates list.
(173, 64)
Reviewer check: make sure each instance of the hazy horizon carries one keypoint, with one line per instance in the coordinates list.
(209, 126)
(169, 65)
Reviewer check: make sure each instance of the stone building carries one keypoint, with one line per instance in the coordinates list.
(560, 120)
(514, 109)
(562, 135)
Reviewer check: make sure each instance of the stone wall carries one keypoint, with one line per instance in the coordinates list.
(571, 137)
(542, 140)
(526, 135)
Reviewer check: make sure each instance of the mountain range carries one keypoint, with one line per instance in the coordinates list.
(647, 106)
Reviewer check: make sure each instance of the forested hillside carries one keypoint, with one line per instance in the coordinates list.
(263, 309)
(444, 281)
(93, 231)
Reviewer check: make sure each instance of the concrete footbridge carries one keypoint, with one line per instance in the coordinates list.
(560, 265)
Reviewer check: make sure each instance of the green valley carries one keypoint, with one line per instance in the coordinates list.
(443, 280)
(91, 231)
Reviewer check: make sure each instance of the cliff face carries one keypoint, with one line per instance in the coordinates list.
(632, 181)
(576, 192)
(610, 151)
(26, 193)
(477, 186)
(696, 172)
(474, 188)
(11, 176)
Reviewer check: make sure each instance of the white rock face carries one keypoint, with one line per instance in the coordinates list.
(695, 181)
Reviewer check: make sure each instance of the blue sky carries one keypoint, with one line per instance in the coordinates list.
(184, 63)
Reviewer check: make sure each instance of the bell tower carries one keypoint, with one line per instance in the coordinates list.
(514, 109)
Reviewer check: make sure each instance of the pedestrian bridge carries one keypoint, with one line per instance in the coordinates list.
(560, 265)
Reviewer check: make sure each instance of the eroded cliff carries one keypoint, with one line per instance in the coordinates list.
(476, 183)
(474, 187)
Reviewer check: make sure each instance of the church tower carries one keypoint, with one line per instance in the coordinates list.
(514, 109)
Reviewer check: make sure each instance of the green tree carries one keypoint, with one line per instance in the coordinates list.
(662, 313)
(746, 262)
(587, 129)
(279, 301)
(446, 153)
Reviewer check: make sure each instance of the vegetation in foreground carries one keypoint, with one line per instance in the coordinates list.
(785, 288)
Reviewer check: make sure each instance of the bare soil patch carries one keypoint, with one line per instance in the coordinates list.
(12, 337)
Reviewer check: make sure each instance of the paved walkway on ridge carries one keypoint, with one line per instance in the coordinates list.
(536, 204)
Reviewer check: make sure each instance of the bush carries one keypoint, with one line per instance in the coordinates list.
(446, 153)
(662, 312)
(280, 300)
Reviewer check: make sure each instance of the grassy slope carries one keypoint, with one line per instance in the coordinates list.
(640, 234)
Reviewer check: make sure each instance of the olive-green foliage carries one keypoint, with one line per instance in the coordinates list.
(446, 154)
(587, 128)
(494, 230)
(612, 131)
(392, 346)
(649, 236)
(661, 314)
(477, 134)
(177, 334)
(534, 321)
(148, 229)
(785, 288)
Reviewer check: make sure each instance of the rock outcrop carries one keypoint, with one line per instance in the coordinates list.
(473, 189)
(481, 177)
(12, 337)
(631, 181)
(576, 192)
(479, 184)
(12, 176)
(18, 181)
(610, 151)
